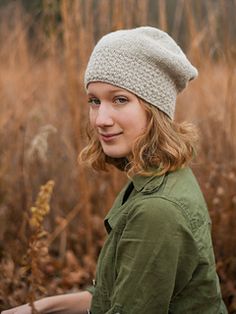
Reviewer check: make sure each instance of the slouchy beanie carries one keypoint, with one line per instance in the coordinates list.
(145, 61)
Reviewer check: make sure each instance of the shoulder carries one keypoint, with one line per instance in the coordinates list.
(175, 197)
(183, 189)
(169, 194)
(182, 183)
(176, 185)
(156, 212)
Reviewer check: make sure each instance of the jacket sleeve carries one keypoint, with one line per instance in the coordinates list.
(90, 289)
(156, 258)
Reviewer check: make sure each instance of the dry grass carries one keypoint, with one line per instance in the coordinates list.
(43, 117)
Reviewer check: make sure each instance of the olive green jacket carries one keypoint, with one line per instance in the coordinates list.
(158, 256)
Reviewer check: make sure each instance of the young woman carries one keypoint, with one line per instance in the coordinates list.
(158, 256)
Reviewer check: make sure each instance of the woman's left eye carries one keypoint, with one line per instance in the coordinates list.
(120, 100)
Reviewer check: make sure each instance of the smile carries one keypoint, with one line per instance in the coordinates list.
(109, 137)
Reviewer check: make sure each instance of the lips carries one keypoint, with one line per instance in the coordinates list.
(109, 136)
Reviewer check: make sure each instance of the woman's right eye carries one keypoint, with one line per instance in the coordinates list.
(94, 101)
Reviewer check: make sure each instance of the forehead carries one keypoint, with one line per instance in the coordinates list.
(101, 87)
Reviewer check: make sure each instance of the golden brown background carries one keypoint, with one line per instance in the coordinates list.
(44, 47)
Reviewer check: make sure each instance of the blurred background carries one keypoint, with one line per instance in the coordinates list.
(44, 48)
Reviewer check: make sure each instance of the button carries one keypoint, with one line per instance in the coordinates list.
(94, 282)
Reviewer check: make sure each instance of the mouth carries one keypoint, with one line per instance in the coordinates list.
(109, 137)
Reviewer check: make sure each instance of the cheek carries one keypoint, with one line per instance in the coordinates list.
(139, 130)
(140, 126)
(141, 121)
(92, 117)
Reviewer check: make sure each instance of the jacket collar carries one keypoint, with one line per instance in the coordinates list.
(143, 185)
(147, 185)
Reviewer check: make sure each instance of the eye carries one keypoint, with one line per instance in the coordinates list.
(120, 100)
(93, 101)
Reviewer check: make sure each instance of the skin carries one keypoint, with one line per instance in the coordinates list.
(73, 303)
(117, 116)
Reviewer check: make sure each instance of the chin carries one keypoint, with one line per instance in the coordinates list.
(113, 154)
(116, 152)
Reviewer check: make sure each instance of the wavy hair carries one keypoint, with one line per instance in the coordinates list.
(164, 146)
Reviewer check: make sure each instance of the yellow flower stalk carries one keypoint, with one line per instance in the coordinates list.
(37, 253)
(41, 208)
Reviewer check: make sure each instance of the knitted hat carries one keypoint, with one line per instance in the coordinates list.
(145, 61)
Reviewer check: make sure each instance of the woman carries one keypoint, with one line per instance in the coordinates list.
(158, 255)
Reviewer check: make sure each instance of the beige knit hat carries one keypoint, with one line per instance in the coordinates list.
(145, 61)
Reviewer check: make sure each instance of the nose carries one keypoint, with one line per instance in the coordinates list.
(103, 116)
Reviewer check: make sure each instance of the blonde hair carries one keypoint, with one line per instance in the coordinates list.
(165, 146)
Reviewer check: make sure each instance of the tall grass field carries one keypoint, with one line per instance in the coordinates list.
(50, 238)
